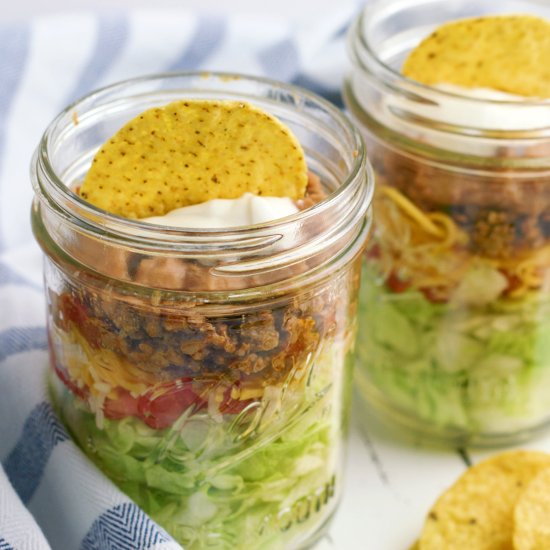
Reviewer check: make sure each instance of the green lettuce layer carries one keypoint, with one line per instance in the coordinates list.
(231, 482)
(478, 363)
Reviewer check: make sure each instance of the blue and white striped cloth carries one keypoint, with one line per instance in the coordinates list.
(50, 495)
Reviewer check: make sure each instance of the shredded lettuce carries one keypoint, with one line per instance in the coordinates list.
(221, 484)
(475, 365)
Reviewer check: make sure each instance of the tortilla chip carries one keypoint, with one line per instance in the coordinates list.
(532, 515)
(192, 151)
(509, 53)
(477, 512)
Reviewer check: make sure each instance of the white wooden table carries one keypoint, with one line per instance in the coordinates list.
(390, 485)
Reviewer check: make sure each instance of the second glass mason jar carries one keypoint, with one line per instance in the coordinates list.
(454, 340)
(207, 372)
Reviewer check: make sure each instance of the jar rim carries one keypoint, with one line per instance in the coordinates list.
(60, 196)
(252, 256)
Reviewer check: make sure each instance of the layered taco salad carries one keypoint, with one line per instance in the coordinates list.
(456, 291)
(222, 417)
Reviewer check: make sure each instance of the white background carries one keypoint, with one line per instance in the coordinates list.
(296, 8)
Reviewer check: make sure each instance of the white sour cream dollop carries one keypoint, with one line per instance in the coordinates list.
(473, 111)
(500, 111)
(223, 213)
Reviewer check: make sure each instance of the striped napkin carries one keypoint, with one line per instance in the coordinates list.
(50, 494)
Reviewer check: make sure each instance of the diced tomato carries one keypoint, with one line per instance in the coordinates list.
(161, 407)
(73, 309)
(436, 295)
(74, 312)
(514, 282)
(396, 284)
(373, 252)
(124, 405)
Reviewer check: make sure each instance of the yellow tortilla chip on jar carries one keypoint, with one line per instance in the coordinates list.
(477, 512)
(532, 515)
(191, 151)
(508, 53)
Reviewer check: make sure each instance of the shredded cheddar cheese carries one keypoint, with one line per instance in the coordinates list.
(430, 249)
(101, 370)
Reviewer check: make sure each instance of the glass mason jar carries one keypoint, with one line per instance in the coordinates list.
(454, 341)
(206, 371)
